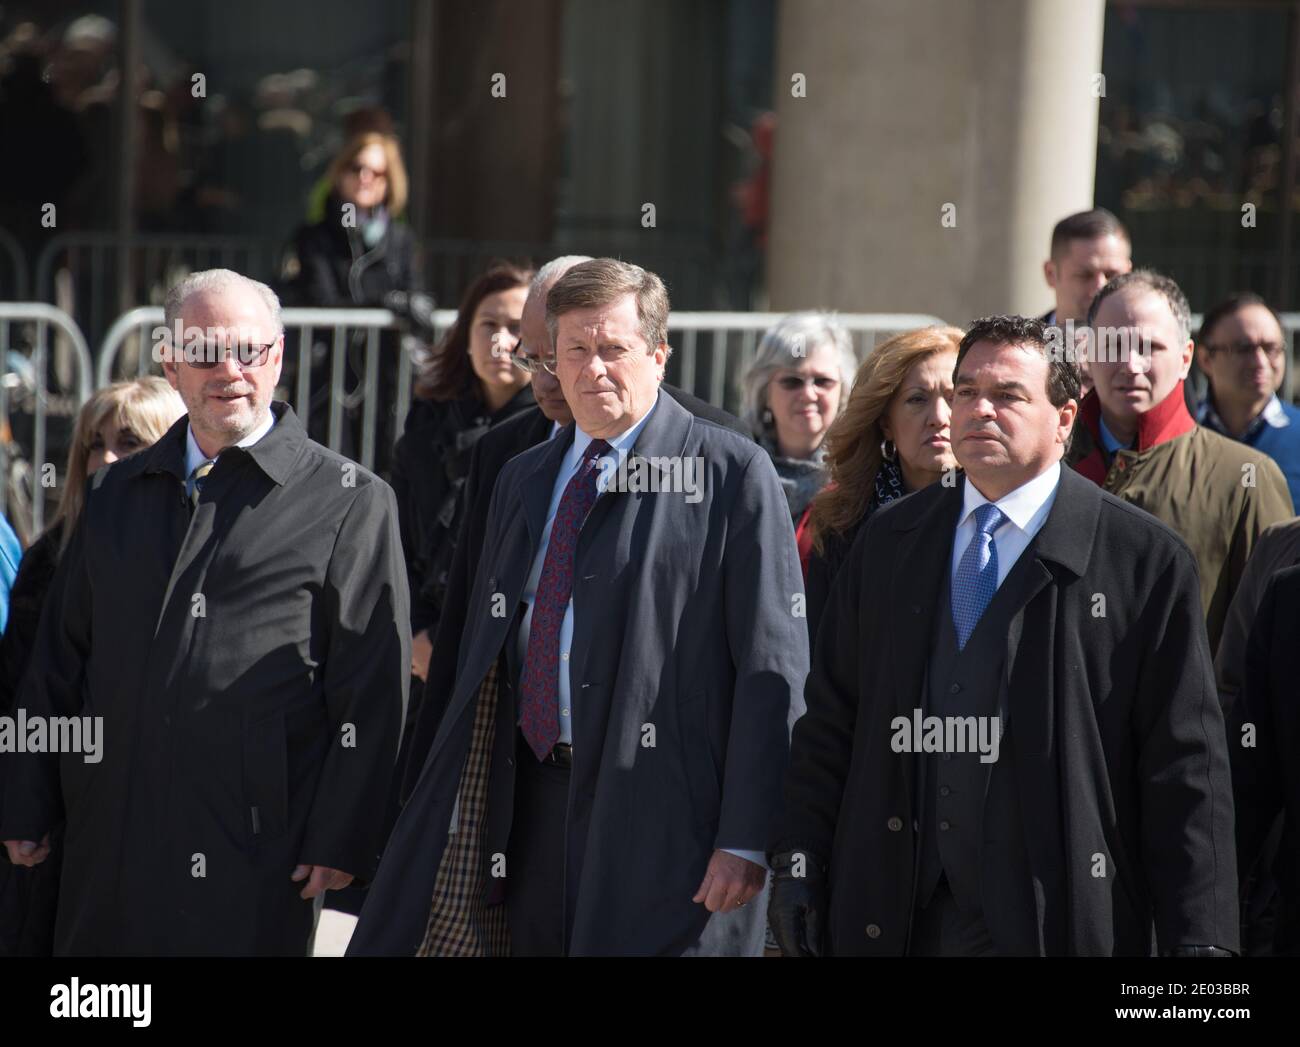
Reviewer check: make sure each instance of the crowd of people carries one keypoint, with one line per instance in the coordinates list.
(971, 648)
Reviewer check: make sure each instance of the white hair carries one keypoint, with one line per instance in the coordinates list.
(214, 281)
(792, 339)
(553, 270)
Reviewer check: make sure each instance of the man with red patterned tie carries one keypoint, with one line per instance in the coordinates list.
(633, 656)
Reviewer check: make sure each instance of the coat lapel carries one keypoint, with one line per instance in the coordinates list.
(923, 554)
(536, 488)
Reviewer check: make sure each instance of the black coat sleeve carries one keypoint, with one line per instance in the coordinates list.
(822, 746)
(1257, 785)
(318, 284)
(1183, 782)
(365, 677)
(52, 686)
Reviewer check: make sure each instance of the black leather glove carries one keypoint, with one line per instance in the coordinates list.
(1199, 950)
(797, 906)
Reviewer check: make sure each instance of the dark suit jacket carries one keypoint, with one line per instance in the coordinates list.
(501, 443)
(1265, 777)
(1120, 755)
(686, 667)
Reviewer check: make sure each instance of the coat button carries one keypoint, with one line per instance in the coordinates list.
(492, 583)
(873, 931)
(944, 790)
(895, 824)
(944, 827)
(954, 688)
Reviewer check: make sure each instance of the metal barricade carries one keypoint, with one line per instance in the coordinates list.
(712, 350)
(32, 336)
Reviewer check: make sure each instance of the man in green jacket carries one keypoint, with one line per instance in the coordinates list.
(1136, 438)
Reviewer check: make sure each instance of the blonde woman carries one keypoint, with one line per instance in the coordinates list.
(117, 421)
(891, 438)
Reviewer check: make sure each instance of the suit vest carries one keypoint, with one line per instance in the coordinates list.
(970, 812)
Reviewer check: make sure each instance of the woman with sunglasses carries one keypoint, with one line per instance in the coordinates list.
(353, 257)
(790, 396)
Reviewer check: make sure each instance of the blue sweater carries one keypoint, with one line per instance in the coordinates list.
(11, 551)
(1275, 432)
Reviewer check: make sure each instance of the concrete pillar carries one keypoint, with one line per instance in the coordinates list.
(986, 105)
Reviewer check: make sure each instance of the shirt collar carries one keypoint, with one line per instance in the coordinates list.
(1022, 504)
(1110, 441)
(194, 457)
(1272, 415)
(620, 444)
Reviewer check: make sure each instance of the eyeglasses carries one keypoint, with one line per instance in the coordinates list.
(1273, 350)
(360, 169)
(533, 364)
(203, 356)
(791, 382)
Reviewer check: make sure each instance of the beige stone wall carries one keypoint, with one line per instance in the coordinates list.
(988, 105)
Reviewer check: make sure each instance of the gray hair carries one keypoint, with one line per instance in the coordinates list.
(553, 270)
(793, 338)
(1156, 283)
(208, 281)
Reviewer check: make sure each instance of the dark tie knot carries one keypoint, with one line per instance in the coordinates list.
(595, 449)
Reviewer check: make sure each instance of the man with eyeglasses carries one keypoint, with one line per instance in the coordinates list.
(611, 749)
(233, 608)
(536, 355)
(1242, 351)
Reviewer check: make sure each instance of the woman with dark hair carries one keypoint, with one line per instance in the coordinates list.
(890, 439)
(469, 384)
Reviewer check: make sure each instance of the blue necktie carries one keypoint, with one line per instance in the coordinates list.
(977, 574)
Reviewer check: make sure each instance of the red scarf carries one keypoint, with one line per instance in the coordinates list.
(1166, 421)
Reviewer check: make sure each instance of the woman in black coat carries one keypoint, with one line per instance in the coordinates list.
(890, 440)
(353, 258)
(117, 421)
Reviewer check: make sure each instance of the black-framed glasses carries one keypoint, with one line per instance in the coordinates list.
(204, 356)
(533, 364)
(1273, 350)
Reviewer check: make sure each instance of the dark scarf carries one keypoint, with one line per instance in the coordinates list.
(801, 478)
(888, 487)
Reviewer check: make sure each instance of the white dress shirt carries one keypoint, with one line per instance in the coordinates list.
(1025, 509)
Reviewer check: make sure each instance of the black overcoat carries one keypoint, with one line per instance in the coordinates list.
(1108, 688)
(250, 663)
(688, 658)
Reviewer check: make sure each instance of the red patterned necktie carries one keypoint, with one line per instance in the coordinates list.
(539, 686)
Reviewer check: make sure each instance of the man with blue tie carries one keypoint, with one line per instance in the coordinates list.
(1013, 744)
(604, 777)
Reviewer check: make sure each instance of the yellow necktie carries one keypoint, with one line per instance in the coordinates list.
(196, 480)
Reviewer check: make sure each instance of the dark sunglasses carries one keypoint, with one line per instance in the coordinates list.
(206, 356)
